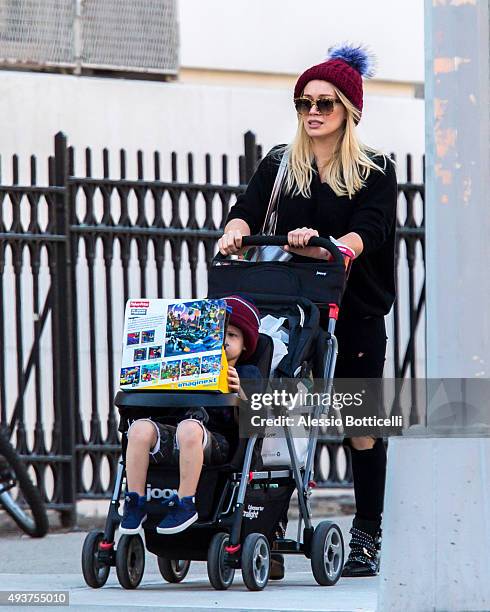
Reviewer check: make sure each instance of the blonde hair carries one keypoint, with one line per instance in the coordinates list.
(346, 171)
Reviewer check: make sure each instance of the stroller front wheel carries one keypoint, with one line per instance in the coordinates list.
(130, 561)
(256, 560)
(173, 570)
(95, 573)
(220, 575)
(327, 553)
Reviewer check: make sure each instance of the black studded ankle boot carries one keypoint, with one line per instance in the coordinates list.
(365, 549)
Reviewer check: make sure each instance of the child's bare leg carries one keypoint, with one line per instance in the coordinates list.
(190, 437)
(142, 437)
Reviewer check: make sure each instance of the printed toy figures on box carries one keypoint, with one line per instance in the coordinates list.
(174, 344)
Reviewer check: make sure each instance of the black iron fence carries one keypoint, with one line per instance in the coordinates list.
(72, 252)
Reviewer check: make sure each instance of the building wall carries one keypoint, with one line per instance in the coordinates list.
(239, 61)
(285, 36)
(182, 117)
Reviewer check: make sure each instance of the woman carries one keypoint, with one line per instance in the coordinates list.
(336, 186)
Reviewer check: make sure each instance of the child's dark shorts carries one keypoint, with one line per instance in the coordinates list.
(166, 450)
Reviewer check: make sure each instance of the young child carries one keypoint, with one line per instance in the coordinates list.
(195, 443)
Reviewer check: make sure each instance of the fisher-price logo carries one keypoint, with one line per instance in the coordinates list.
(252, 512)
(139, 304)
(139, 307)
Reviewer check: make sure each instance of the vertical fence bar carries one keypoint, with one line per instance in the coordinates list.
(35, 255)
(63, 310)
(17, 262)
(17, 257)
(250, 143)
(73, 245)
(241, 170)
(158, 243)
(192, 243)
(108, 250)
(125, 240)
(176, 222)
(141, 221)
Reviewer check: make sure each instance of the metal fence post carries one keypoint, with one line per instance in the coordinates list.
(250, 144)
(64, 378)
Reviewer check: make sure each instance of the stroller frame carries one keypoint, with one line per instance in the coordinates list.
(323, 544)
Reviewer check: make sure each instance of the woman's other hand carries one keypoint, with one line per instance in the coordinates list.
(230, 242)
(233, 380)
(298, 243)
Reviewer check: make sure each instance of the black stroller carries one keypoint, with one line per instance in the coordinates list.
(239, 503)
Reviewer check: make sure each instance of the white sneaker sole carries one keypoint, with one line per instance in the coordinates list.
(178, 528)
(131, 530)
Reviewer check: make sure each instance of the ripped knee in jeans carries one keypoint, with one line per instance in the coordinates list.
(361, 443)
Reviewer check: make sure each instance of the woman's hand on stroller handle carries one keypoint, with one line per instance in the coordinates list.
(298, 240)
(230, 245)
(230, 242)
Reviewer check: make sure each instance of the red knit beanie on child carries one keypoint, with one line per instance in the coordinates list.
(245, 316)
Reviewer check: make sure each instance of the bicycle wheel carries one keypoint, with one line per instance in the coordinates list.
(27, 507)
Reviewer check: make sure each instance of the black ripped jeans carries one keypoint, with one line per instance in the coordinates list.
(361, 354)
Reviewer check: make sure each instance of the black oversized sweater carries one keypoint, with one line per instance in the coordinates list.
(371, 213)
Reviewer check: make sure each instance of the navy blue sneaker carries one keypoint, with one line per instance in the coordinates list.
(170, 501)
(134, 513)
(182, 514)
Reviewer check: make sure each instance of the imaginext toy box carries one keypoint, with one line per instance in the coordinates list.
(174, 344)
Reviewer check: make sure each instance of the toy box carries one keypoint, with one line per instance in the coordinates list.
(174, 344)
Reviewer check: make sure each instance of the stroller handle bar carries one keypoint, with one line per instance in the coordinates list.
(260, 240)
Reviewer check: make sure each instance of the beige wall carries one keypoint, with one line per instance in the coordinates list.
(285, 36)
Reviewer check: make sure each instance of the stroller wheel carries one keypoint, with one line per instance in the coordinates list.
(327, 553)
(173, 570)
(130, 561)
(256, 560)
(220, 575)
(94, 572)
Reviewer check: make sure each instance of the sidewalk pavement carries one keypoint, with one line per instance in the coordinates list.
(53, 563)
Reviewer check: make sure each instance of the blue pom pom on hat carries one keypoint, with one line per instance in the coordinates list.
(344, 68)
(358, 57)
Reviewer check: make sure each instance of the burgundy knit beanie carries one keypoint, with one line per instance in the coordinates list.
(245, 316)
(344, 68)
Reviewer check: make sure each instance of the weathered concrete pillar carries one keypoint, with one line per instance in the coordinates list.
(436, 548)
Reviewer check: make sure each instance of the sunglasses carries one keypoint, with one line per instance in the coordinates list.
(325, 106)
